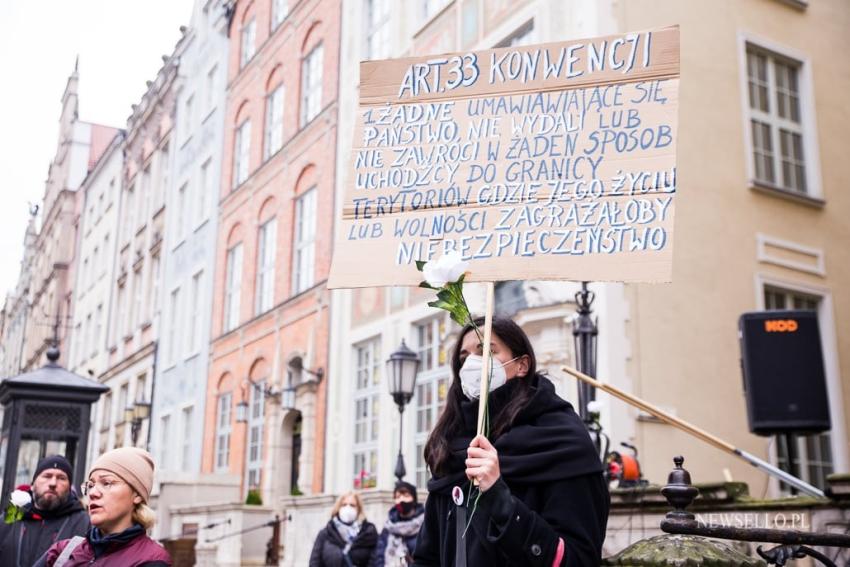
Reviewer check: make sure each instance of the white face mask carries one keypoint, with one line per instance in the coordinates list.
(470, 375)
(347, 514)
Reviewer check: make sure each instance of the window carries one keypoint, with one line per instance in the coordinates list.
(431, 7)
(98, 330)
(265, 266)
(173, 321)
(106, 411)
(222, 431)
(164, 453)
(249, 43)
(136, 312)
(428, 346)
(524, 35)
(185, 456)
(105, 252)
(305, 241)
(773, 88)
(180, 213)
(255, 433)
(194, 332)
(367, 401)
(377, 29)
(188, 109)
(121, 312)
(311, 85)
(141, 387)
(88, 341)
(145, 193)
(813, 462)
(430, 399)
(274, 123)
(163, 167)
(95, 263)
(212, 79)
(280, 9)
(123, 393)
(241, 153)
(431, 389)
(205, 190)
(84, 273)
(153, 287)
(233, 287)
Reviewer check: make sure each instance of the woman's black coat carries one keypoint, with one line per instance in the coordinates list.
(551, 487)
(327, 550)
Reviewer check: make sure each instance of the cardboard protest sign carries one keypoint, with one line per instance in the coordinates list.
(553, 161)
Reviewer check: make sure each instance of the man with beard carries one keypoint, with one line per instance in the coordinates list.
(54, 514)
(398, 538)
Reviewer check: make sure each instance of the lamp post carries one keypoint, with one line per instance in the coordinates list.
(136, 414)
(585, 333)
(402, 367)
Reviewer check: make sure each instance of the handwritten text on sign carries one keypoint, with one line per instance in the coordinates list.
(546, 162)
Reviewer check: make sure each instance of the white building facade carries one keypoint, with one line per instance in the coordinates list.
(188, 252)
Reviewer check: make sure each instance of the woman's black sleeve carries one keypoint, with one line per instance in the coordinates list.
(427, 552)
(574, 510)
(316, 554)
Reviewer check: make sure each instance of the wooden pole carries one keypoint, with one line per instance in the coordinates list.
(698, 433)
(485, 355)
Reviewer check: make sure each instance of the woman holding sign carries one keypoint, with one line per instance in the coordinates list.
(541, 497)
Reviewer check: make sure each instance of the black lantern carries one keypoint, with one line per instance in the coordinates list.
(585, 333)
(136, 415)
(46, 411)
(402, 367)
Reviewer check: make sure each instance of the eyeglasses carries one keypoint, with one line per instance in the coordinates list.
(102, 486)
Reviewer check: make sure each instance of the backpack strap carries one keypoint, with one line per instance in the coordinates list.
(72, 544)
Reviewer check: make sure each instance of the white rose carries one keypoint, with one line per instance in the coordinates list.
(594, 406)
(20, 498)
(446, 269)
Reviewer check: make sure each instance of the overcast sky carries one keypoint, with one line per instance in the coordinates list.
(120, 44)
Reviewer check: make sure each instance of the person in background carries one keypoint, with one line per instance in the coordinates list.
(398, 538)
(348, 540)
(53, 513)
(118, 488)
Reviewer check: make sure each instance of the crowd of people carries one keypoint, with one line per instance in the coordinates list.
(529, 492)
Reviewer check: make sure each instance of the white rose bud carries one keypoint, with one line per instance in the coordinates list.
(20, 498)
(447, 269)
(594, 406)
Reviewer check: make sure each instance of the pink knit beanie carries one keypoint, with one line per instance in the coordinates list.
(133, 465)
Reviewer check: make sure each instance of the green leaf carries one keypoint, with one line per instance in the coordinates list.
(420, 264)
(426, 285)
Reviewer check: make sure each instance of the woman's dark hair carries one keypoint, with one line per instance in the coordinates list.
(437, 450)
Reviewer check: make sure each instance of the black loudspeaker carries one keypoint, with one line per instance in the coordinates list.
(784, 378)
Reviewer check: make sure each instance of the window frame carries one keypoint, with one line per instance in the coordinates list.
(367, 450)
(310, 87)
(273, 127)
(304, 246)
(266, 256)
(247, 42)
(808, 125)
(242, 153)
(223, 431)
(232, 287)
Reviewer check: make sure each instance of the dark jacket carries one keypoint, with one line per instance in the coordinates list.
(409, 541)
(130, 548)
(24, 541)
(327, 550)
(551, 488)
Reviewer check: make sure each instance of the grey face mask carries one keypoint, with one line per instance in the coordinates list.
(470, 375)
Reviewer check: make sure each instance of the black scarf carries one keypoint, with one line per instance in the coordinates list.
(102, 543)
(546, 442)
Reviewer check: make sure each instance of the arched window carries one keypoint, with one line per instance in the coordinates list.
(223, 414)
(266, 256)
(273, 132)
(232, 280)
(311, 75)
(241, 146)
(248, 36)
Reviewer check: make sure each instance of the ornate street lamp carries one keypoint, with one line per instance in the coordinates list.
(136, 414)
(402, 367)
(584, 334)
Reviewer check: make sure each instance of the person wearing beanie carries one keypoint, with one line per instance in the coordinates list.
(397, 541)
(118, 487)
(51, 512)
